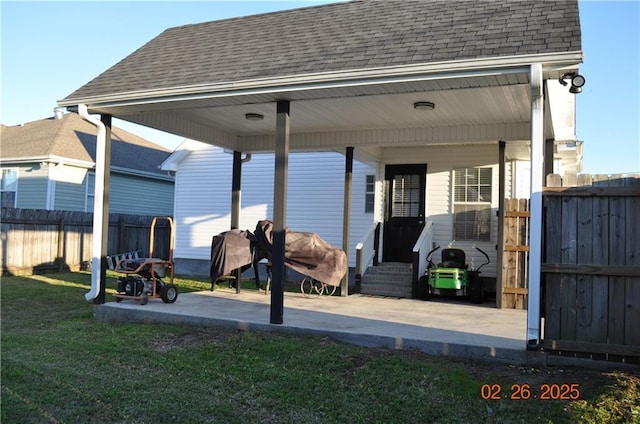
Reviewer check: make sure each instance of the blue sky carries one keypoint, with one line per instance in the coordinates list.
(49, 49)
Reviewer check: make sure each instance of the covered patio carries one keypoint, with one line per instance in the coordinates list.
(369, 79)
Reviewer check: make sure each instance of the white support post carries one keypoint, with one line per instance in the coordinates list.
(380, 203)
(535, 237)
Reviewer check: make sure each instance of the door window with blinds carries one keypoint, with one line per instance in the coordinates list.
(406, 196)
(472, 204)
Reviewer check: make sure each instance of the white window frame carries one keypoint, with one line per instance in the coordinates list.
(90, 192)
(484, 205)
(15, 189)
(369, 193)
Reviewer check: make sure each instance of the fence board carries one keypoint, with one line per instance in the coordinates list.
(600, 290)
(569, 236)
(584, 283)
(553, 282)
(632, 258)
(36, 241)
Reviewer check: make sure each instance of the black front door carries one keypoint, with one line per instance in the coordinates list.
(404, 217)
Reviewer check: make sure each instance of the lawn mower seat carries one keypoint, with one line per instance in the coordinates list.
(453, 258)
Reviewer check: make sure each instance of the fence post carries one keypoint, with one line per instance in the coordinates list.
(121, 235)
(60, 256)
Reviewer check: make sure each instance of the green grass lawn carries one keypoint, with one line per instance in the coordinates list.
(60, 366)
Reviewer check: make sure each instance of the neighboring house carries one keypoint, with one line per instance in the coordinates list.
(49, 164)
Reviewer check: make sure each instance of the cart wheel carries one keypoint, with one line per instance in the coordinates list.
(169, 293)
(308, 287)
(118, 299)
(144, 299)
(329, 290)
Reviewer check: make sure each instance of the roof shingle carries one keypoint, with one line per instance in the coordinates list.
(343, 36)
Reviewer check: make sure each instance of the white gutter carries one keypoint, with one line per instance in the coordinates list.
(136, 173)
(98, 205)
(48, 159)
(334, 79)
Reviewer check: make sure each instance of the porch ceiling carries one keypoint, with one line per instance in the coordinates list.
(474, 100)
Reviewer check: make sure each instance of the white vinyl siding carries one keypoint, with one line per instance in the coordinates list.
(69, 196)
(140, 196)
(33, 181)
(314, 198)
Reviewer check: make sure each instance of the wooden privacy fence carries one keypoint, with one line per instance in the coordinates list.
(36, 241)
(591, 266)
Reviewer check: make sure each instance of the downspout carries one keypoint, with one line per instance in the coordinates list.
(98, 206)
(535, 208)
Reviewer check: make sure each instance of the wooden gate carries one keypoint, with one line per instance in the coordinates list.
(591, 266)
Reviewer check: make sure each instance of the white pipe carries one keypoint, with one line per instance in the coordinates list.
(98, 201)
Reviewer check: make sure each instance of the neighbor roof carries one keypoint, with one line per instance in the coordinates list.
(341, 37)
(72, 137)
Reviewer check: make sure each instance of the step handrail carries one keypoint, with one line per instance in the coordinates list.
(420, 249)
(367, 249)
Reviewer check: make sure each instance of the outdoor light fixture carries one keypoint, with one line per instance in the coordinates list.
(577, 81)
(424, 106)
(253, 116)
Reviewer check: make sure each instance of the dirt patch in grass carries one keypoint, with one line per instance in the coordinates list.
(170, 341)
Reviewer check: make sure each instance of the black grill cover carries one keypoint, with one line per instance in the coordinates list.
(230, 250)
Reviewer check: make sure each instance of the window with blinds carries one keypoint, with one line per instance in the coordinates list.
(472, 204)
(406, 196)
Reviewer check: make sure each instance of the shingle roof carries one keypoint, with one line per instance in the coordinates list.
(73, 138)
(343, 36)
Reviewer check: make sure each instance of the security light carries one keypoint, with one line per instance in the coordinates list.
(577, 81)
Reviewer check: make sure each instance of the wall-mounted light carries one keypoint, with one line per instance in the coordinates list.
(577, 81)
(253, 116)
(424, 105)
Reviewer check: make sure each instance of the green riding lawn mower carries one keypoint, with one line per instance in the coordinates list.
(452, 276)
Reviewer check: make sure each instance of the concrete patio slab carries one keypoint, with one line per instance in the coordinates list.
(441, 327)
